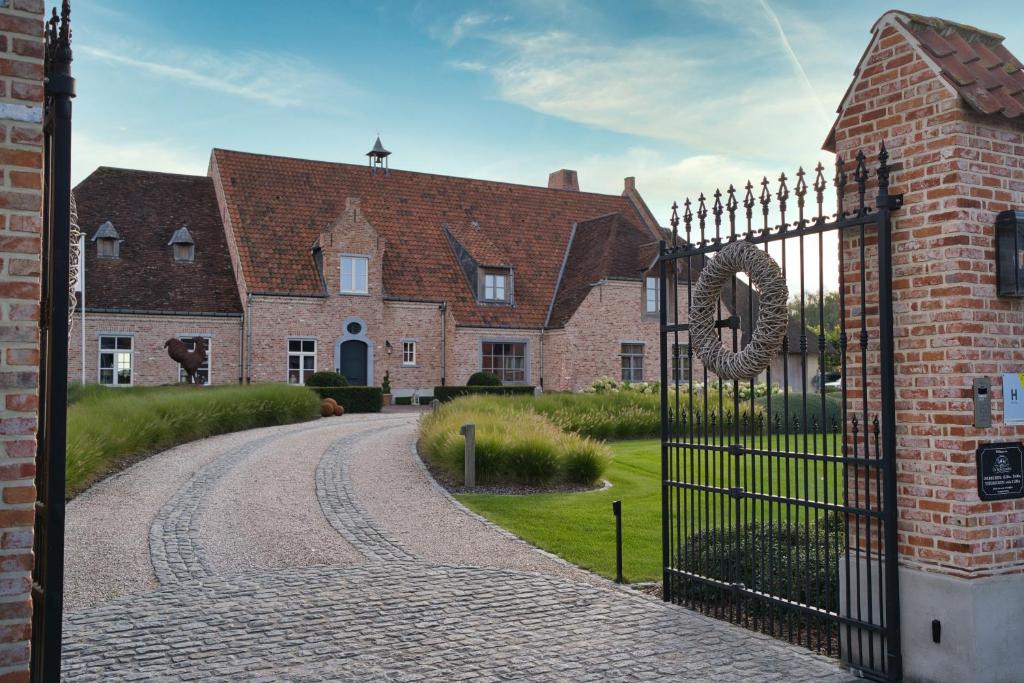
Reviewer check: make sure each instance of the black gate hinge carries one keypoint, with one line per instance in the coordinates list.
(732, 322)
(893, 202)
(736, 491)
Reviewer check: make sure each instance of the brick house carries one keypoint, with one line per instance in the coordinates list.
(306, 265)
(156, 267)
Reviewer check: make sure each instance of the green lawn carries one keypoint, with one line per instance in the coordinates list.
(580, 527)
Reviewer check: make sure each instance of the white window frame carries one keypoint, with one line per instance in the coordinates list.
(301, 354)
(623, 355)
(208, 338)
(409, 360)
(682, 369)
(130, 352)
(651, 307)
(493, 282)
(353, 287)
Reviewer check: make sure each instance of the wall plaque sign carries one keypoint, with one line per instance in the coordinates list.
(1013, 398)
(1000, 471)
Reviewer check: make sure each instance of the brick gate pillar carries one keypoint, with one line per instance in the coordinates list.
(21, 157)
(959, 160)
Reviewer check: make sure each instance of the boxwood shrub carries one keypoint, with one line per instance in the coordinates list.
(444, 394)
(791, 561)
(354, 399)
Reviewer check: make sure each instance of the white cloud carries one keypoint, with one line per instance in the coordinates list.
(744, 92)
(88, 153)
(276, 79)
(464, 26)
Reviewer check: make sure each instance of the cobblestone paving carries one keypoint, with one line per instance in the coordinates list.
(396, 617)
(343, 511)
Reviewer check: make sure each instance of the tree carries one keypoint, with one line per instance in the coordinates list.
(815, 313)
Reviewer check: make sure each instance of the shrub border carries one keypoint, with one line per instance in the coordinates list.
(447, 393)
(354, 399)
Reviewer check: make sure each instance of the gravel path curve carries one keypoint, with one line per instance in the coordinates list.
(107, 527)
(397, 493)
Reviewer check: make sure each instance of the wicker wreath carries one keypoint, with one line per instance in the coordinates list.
(772, 319)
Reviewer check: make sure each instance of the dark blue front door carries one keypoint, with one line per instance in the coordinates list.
(353, 362)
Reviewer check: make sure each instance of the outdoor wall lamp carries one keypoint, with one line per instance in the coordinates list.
(387, 347)
(1010, 253)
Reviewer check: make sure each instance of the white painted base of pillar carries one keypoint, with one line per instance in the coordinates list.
(982, 628)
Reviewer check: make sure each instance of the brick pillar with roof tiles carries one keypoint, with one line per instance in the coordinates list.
(958, 164)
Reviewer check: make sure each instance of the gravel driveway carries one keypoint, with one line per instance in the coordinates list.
(323, 551)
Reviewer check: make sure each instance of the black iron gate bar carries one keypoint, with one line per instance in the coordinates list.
(746, 535)
(48, 542)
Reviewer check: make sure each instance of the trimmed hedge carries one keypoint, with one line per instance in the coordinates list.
(354, 399)
(444, 394)
(325, 378)
(763, 556)
(483, 379)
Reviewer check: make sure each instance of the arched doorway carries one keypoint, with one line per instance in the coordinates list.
(352, 361)
(353, 353)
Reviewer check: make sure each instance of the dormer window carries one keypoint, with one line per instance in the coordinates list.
(494, 286)
(183, 244)
(108, 241)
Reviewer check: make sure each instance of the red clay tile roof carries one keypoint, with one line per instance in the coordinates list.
(974, 62)
(605, 247)
(145, 209)
(474, 240)
(278, 206)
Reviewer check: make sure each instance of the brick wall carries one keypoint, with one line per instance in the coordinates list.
(21, 95)
(150, 362)
(957, 170)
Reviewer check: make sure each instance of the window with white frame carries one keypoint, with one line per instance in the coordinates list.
(115, 360)
(681, 368)
(409, 352)
(301, 360)
(651, 299)
(203, 372)
(354, 271)
(507, 360)
(632, 362)
(495, 286)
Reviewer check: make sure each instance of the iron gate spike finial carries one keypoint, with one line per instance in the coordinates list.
(748, 205)
(716, 209)
(731, 205)
(702, 214)
(674, 222)
(801, 192)
(782, 195)
(688, 220)
(819, 190)
(860, 176)
(840, 181)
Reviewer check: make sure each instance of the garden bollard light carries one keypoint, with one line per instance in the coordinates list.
(434, 405)
(469, 431)
(617, 509)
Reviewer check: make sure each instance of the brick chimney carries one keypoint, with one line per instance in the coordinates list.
(564, 179)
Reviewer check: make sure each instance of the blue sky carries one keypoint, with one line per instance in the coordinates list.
(682, 94)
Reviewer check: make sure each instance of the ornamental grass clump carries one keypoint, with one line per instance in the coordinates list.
(108, 427)
(513, 444)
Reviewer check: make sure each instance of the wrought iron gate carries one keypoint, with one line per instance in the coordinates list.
(48, 570)
(778, 505)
